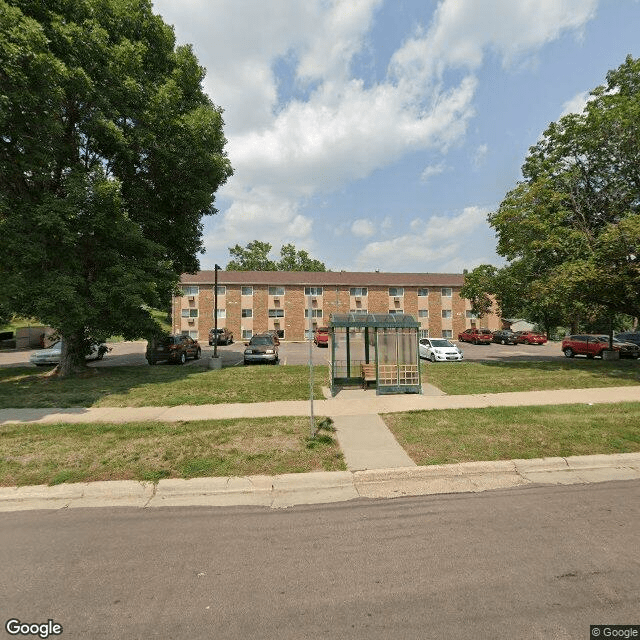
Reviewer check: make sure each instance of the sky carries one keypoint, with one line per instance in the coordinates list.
(379, 134)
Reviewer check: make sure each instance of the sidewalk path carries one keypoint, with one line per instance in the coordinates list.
(351, 403)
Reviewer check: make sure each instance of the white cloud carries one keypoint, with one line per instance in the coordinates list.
(432, 170)
(575, 104)
(437, 240)
(363, 228)
(479, 155)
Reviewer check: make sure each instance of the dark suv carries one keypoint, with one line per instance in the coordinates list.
(173, 348)
(504, 336)
(261, 348)
(224, 336)
(629, 336)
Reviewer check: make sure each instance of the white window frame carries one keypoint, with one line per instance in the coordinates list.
(447, 314)
(276, 290)
(246, 290)
(190, 289)
(315, 313)
(314, 292)
(222, 314)
(423, 313)
(446, 295)
(423, 333)
(222, 290)
(447, 333)
(423, 292)
(246, 313)
(189, 313)
(276, 313)
(247, 334)
(396, 292)
(358, 292)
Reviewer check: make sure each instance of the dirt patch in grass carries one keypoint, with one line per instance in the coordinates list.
(50, 454)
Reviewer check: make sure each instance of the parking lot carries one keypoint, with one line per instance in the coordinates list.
(293, 353)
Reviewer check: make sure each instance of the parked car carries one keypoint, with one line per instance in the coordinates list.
(504, 336)
(321, 337)
(274, 334)
(224, 336)
(530, 337)
(176, 348)
(476, 336)
(593, 345)
(53, 354)
(261, 348)
(438, 349)
(629, 336)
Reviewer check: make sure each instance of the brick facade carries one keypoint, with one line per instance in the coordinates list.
(250, 302)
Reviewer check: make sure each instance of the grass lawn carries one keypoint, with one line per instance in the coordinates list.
(52, 454)
(457, 378)
(506, 433)
(163, 385)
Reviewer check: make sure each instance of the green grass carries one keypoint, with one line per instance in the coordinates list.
(56, 453)
(457, 378)
(506, 433)
(162, 385)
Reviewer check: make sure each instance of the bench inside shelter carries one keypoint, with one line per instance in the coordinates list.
(368, 374)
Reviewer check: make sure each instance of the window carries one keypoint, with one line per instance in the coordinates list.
(423, 293)
(247, 333)
(276, 291)
(222, 290)
(446, 292)
(447, 333)
(192, 334)
(189, 313)
(470, 314)
(359, 312)
(313, 291)
(396, 292)
(276, 313)
(222, 313)
(446, 313)
(358, 291)
(423, 313)
(393, 312)
(247, 291)
(247, 313)
(423, 333)
(315, 313)
(190, 290)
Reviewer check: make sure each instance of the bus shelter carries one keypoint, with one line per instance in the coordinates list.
(389, 342)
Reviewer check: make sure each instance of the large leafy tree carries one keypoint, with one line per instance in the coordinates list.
(571, 228)
(255, 257)
(110, 155)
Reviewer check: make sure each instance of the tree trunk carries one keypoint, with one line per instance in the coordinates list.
(72, 359)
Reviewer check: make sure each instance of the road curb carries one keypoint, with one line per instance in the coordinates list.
(292, 489)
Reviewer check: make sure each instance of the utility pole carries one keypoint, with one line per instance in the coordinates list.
(312, 425)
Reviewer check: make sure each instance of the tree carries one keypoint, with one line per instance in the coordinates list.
(571, 227)
(109, 158)
(255, 257)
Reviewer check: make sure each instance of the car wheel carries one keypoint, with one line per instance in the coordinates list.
(432, 358)
(591, 356)
(151, 361)
(502, 341)
(568, 352)
(183, 358)
(198, 353)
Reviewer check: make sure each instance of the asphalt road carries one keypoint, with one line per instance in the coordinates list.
(537, 562)
(132, 353)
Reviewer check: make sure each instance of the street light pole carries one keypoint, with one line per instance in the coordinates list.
(215, 312)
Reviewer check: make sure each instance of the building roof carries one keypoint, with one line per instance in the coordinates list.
(326, 278)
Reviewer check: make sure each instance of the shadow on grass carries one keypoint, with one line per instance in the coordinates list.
(170, 385)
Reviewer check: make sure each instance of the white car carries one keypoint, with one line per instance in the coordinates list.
(438, 349)
(52, 355)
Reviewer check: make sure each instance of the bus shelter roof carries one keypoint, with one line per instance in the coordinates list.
(374, 320)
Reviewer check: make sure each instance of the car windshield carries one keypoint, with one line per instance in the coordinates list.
(441, 343)
(261, 340)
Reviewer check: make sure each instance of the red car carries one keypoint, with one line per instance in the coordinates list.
(321, 337)
(476, 336)
(593, 346)
(530, 337)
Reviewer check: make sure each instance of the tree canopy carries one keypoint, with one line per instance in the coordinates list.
(571, 228)
(255, 257)
(110, 156)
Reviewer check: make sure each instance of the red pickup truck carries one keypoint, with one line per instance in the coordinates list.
(476, 336)
(321, 337)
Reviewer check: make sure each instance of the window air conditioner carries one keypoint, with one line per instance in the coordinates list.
(396, 299)
(358, 299)
(192, 298)
(191, 321)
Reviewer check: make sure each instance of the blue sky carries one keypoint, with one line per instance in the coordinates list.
(378, 134)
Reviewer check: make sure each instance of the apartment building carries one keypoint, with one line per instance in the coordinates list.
(292, 302)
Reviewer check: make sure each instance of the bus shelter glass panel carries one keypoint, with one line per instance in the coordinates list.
(398, 365)
(349, 352)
